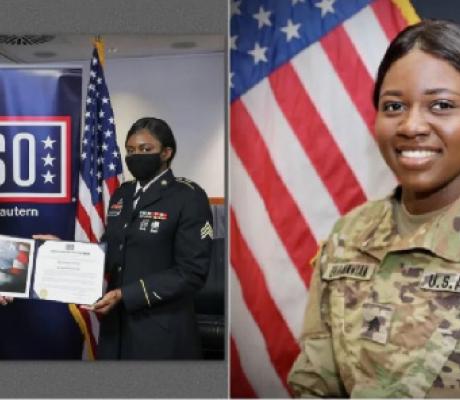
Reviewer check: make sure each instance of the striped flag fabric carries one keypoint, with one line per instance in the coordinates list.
(21, 260)
(100, 175)
(302, 153)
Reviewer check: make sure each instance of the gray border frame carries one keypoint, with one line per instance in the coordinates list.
(119, 379)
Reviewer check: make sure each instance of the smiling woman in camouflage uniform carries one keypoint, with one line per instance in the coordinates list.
(383, 318)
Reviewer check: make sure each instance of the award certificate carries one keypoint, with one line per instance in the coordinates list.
(69, 272)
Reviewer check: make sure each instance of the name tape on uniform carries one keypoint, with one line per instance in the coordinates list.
(353, 270)
(441, 281)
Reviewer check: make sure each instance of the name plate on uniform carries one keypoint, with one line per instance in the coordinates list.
(353, 270)
(441, 281)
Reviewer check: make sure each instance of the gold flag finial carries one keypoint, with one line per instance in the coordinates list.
(99, 43)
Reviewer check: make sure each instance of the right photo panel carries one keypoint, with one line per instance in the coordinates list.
(344, 211)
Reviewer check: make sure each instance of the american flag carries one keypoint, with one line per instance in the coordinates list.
(100, 175)
(302, 153)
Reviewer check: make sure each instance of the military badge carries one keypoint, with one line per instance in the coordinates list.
(154, 226)
(160, 215)
(376, 322)
(153, 215)
(115, 209)
(144, 224)
(207, 230)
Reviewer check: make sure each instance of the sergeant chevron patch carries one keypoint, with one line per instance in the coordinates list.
(207, 231)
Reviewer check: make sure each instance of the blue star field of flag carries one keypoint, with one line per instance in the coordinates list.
(265, 34)
(100, 155)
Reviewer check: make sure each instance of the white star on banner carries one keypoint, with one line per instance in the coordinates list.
(232, 74)
(48, 177)
(262, 17)
(326, 7)
(235, 8)
(94, 60)
(101, 114)
(83, 156)
(108, 133)
(48, 143)
(115, 154)
(104, 147)
(87, 114)
(294, 2)
(291, 30)
(48, 160)
(258, 53)
(105, 100)
(233, 43)
(112, 166)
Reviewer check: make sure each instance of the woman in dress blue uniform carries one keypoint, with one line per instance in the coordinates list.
(159, 235)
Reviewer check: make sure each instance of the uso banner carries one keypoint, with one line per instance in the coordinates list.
(40, 113)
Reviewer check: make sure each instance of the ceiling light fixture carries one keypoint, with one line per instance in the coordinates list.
(26, 40)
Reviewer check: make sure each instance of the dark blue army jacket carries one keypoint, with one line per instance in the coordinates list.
(158, 254)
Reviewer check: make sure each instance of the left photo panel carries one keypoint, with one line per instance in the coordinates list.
(112, 197)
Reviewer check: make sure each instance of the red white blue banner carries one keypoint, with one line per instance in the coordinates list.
(40, 114)
(40, 111)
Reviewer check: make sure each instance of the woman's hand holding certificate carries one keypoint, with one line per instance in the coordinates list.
(104, 305)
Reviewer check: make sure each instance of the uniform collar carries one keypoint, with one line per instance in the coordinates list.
(440, 236)
(149, 183)
(155, 189)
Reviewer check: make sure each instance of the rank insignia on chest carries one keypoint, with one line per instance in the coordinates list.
(153, 215)
(376, 322)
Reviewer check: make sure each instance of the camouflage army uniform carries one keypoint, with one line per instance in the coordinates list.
(383, 318)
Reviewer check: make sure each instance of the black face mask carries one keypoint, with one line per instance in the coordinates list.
(143, 167)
